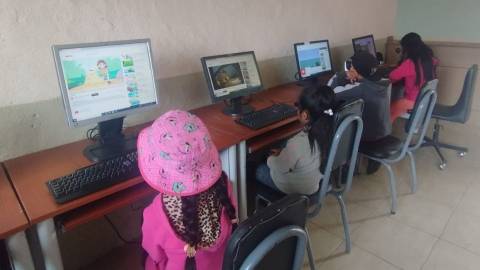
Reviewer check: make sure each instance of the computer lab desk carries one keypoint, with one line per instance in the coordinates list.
(13, 224)
(29, 173)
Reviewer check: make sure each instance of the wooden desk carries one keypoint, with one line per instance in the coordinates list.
(29, 173)
(13, 218)
(13, 223)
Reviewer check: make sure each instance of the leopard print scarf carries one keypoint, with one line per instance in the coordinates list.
(209, 213)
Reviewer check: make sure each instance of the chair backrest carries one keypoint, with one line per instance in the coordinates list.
(420, 101)
(420, 115)
(291, 210)
(348, 132)
(464, 104)
(346, 142)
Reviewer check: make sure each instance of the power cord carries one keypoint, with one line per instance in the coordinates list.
(248, 101)
(120, 236)
(91, 136)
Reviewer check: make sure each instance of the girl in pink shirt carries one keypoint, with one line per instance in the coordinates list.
(188, 224)
(416, 67)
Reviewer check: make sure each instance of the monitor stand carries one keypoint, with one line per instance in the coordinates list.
(315, 81)
(113, 142)
(237, 108)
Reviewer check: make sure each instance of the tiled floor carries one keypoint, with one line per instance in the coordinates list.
(436, 228)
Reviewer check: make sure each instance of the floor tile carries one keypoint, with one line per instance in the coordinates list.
(330, 217)
(463, 230)
(446, 256)
(358, 259)
(418, 212)
(442, 186)
(470, 202)
(393, 241)
(367, 191)
(323, 243)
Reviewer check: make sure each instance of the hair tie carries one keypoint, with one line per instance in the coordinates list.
(234, 221)
(329, 112)
(189, 250)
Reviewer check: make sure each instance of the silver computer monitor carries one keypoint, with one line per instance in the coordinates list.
(313, 59)
(105, 80)
(232, 76)
(366, 43)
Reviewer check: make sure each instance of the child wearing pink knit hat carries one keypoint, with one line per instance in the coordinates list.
(188, 224)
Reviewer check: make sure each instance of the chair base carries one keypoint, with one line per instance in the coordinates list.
(433, 142)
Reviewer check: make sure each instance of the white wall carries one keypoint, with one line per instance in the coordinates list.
(181, 32)
(440, 20)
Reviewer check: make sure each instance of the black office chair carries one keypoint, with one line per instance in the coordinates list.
(391, 149)
(460, 112)
(273, 238)
(348, 128)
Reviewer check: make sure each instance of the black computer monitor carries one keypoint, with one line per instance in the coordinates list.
(313, 60)
(103, 83)
(366, 43)
(232, 76)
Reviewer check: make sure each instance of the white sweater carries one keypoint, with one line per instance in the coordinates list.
(296, 169)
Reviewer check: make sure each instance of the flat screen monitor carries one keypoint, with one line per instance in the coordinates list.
(102, 83)
(366, 43)
(105, 80)
(232, 76)
(313, 59)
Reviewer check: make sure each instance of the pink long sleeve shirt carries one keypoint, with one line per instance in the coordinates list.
(407, 70)
(165, 250)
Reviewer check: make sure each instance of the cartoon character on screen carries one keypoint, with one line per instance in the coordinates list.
(102, 66)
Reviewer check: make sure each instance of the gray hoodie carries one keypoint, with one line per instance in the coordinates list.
(376, 113)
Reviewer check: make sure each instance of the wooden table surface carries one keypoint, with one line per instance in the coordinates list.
(213, 117)
(12, 218)
(29, 174)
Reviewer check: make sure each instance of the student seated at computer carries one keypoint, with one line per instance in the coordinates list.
(296, 167)
(361, 82)
(417, 66)
(189, 223)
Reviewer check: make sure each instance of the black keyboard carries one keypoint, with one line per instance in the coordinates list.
(267, 116)
(384, 71)
(93, 178)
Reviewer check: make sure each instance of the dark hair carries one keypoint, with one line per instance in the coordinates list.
(414, 49)
(190, 215)
(317, 100)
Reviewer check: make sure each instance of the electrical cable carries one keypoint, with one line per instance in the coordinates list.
(229, 105)
(91, 136)
(120, 236)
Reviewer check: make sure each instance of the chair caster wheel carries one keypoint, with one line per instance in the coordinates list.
(462, 154)
(392, 212)
(442, 166)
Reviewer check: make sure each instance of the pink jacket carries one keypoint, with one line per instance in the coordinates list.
(407, 70)
(165, 250)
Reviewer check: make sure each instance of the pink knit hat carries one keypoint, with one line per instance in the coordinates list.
(176, 156)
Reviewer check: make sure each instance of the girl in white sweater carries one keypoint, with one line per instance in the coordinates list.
(296, 168)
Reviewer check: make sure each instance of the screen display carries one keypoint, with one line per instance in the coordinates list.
(365, 44)
(313, 58)
(107, 79)
(231, 74)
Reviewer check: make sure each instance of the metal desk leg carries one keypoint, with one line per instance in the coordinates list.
(49, 245)
(229, 166)
(242, 179)
(20, 252)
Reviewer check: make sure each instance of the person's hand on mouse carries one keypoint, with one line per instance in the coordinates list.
(274, 152)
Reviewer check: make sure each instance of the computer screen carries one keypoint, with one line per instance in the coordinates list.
(232, 75)
(103, 81)
(366, 43)
(313, 58)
